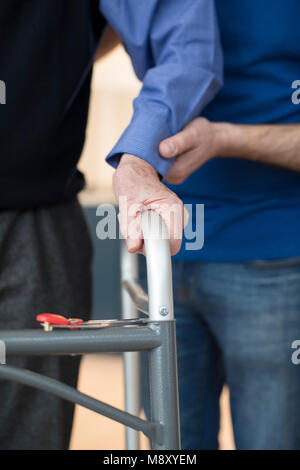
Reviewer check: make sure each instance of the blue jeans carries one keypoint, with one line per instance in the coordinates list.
(235, 325)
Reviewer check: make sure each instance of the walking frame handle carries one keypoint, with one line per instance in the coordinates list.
(159, 270)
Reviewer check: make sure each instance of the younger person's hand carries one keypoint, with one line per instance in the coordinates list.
(197, 143)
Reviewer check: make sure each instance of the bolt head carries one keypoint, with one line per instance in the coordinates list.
(164, 311)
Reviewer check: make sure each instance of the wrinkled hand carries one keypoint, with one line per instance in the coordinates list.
(137, 187)
(193, 146)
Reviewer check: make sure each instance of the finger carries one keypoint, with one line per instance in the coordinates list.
(179, 171)
(130, 227)
(179, 143)
(168, 148)
(173, 217)
(134, 246)
(134, 236)
(186, 216)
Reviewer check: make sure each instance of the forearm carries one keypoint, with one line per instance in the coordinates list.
(173, 45)
(273, 144)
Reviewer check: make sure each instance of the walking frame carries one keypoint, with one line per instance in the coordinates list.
(129, 336)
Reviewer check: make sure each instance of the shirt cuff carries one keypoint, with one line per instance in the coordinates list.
(142, 138)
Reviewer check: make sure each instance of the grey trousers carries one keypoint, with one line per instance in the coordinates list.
(45, 266)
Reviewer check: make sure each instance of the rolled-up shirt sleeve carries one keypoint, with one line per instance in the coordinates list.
(175, 50)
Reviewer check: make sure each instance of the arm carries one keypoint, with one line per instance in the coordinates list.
(175, 51)
(275, 144)
(202, 140)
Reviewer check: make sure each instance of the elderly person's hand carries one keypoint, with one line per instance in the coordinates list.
(197, 143)
(137, 187)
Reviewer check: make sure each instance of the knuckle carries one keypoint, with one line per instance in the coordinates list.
(178, 201)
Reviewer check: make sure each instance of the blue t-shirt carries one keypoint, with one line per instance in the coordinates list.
(252, 210)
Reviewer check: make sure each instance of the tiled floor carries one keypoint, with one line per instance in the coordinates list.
(101, 376)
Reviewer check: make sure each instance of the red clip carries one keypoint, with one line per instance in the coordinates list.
(52, 319)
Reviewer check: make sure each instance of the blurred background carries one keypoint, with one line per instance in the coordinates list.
(114, 87)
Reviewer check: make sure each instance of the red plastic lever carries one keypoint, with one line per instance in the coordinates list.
(53, 319)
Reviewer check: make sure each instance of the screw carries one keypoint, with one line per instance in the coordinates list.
(163, 311)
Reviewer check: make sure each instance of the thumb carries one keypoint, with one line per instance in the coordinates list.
(168, 148)
(179, 143)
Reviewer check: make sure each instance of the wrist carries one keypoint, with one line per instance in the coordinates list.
(226, 139)
(138, 165)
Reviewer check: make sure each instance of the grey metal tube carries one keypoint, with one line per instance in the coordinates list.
(163, 360)
(68, 393)
(159, 271)
(111, 339)
(137, 295)
(132, 395)
(129, 273)
(164, 388)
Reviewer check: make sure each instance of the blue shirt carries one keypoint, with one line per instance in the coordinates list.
(175, 49)
(252, 210)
